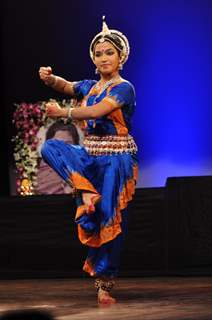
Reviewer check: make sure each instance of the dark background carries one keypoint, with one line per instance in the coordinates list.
(42, 33)
(170, 65)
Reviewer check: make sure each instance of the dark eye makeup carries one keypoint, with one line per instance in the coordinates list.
(109, 52)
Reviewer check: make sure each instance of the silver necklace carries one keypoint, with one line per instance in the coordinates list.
(97, 86)
(105, 86)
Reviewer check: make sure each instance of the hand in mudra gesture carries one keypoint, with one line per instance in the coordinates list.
(53, 110)
(46, 75)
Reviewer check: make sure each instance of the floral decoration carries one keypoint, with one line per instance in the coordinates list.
(30, 119)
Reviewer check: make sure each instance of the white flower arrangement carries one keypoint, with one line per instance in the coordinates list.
(31, 123)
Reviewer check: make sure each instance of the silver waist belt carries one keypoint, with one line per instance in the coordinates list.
(108, 145)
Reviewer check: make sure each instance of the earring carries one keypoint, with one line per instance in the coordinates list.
(120, 66)
(96, 71)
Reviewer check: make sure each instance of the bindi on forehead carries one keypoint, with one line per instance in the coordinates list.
(104, 46)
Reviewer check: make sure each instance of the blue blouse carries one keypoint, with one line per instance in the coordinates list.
(118, 122)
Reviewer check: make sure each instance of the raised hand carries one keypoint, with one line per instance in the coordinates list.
(53, 110)
(46, 75)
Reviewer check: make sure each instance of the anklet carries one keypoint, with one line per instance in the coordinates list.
(104, 285)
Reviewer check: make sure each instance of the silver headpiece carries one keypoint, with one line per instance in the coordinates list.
(102, 36)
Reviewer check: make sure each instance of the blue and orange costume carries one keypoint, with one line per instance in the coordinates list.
(105, 165)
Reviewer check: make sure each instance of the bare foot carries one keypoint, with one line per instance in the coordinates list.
(86, 198)
(105, 298)
(90, 199)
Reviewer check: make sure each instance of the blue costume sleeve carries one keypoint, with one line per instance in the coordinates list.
(123, 93)
(82, 88)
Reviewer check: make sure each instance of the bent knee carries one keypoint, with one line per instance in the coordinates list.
(47, 146)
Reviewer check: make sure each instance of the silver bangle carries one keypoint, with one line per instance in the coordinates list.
(70, 113)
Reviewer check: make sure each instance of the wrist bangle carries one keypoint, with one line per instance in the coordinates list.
(70, 113)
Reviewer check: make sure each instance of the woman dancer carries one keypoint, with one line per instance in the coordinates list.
(103, 171)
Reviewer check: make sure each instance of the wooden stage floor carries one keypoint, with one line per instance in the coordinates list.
(138, 298)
